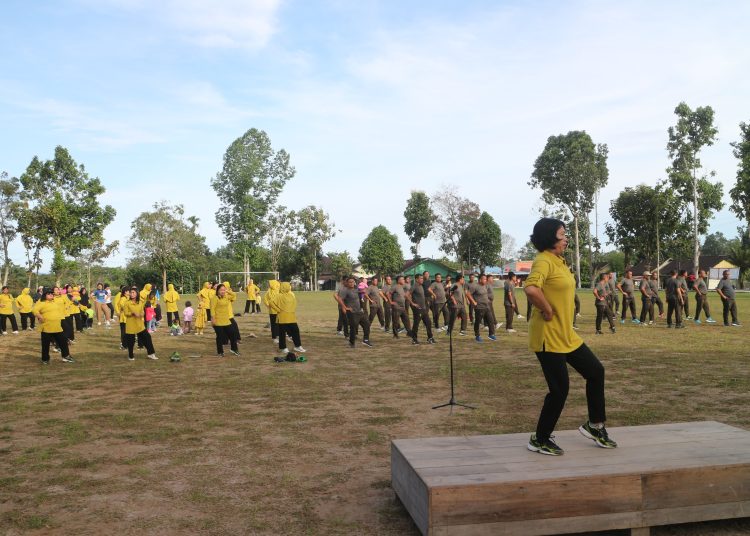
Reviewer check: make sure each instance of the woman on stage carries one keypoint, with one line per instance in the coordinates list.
(551, 288)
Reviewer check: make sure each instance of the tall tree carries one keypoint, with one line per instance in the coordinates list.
(341, 263)
(643, 220)
(161, 237)
(419, 219)
(248, 185)
(93, 255)
(453, 214)
(481, 242)
(509, 250)
(63, 207)
(280, 233)
(717, 244)
(314, 228)
(700, 197)
(381, 253)
(570, 171)
(740, 192)
(10, 205)
(527, 252)
(739, 255)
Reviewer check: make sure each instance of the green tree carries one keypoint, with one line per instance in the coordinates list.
(527, 252)
(717, 244)
(10, 205)
(740, 192)
(92, 257)
(643, 219)
(248, 185)
(381, 253)
(161, 237)
(739, 255)
(341, 263)
(419, 219)
(481, 242)
(700, 197)
(314, 228)
(453, 214)
(62, 208)
(570, 172)
(280, 233)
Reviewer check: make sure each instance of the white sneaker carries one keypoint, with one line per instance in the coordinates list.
(152, 356)
(99, 324)
(15, 332)
(520, 316)
(285, 351)
(498, 325)
(276, 340)
(510, 330)
(299, 349)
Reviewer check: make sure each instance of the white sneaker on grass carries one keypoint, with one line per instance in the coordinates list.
(299, 349)
(152, 356)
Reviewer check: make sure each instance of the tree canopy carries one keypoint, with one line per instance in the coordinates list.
(381, 253)
(740, 192)
(419, 219)
(481, 242)
(453, 214)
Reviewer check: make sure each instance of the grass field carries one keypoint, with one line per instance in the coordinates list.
(245, 445)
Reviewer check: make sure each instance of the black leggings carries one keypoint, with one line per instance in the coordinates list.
(144, 339)
(274, 326)
(67, 325)
(555, 369)
(60, 340)
(123, 336)
(175, 315)
(13, 322)
(249, 306)
(27, 320)
(224, 334)
(342, 323)
(236, 329)
(293, 331)
(80, 321)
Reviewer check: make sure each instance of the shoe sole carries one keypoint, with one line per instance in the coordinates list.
(587, 435)
(532, 448)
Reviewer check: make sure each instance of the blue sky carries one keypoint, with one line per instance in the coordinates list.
(371, 99)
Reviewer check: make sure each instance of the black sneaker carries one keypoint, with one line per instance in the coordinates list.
(68, 359)
(599, 332)
(234, 353)
(415, 342)
(598, 435)
(613, 330)
(366, 342)
(131, 358)
(431, 340)
(279, 359)
(45, 362)
(548, 447)
(351, 345)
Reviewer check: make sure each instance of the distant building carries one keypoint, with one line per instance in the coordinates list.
(413, 267)
(714, 265)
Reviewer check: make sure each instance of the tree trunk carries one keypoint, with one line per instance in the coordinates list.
(591, 254)
(578, 252)
(6, 271)
(164, 280)
(315, 270)
(696, 242)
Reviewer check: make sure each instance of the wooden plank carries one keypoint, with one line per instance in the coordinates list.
(640, 531)
(692, 514)
(688, 487)
(535, 500)
(411, 490)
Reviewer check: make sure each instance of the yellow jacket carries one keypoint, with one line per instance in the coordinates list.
(119, 305)
(286, 303)
(51, 314)
(221, 311)
(230, 293)
(133, 313)
(6, 303)
(205, 295)
(252, 291)
(25, 302)
(270, 298)
(60, 301)
(70, 307)
(145, 291)
(171, 297)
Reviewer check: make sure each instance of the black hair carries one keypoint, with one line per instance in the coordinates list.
(602, 275)
(137, 294)
(4, 288)
(511, 274)
(544, 236)
(683, 272)
(459, 277)
(188, 304)
(672, 272)
(426, 272)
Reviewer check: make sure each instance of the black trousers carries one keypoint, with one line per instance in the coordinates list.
(293, 331)
(144, 339)
(80, 322)
(483, 315)
(175, 315)
(674, 307)
(509, 314)
(274, 325)
(577, 301)
(399, 315)
(647, 308)
(729, 307)
(455, 313)
(28, 320)
(471, 312)
(123, 335)
(342, 324)
(67, 325)
(555, 369)
(387, 313)
(701, 304)
(615, 305)
(235, 328)
(249, 306)
(603, 309)
(660, 304)
(493, 317)
(437, 310)
(424, 317)
(60, 340)
(226, 334)
(686, 306)
(208, 315)
(355, 320)
(628, 302)
(376, 310)
(13, 322)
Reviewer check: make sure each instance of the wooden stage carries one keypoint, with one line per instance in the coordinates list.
(659, 475)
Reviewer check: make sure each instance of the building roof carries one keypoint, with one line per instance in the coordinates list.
(415, 266)
(705, 262)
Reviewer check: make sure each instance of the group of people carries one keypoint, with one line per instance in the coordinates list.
(427, 300)
(677, 288)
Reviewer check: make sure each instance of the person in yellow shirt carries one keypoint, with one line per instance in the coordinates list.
(205, 295)
(135, 327)
(286, 303)
(120, 299)
(222, 314)
(268, 299)
(50, 316)
(232, 297)
(252, 291)
(171, 297)
(551, 288)
(25, 304)
(71, 310)
(6, 311)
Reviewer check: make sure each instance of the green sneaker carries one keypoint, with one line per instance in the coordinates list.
(598, 435)
(543, 446)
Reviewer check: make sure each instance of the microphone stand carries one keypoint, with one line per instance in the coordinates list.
(452, 402)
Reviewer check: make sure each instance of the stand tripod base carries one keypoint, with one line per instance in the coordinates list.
(452, 402)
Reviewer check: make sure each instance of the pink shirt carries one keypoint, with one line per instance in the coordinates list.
(187, 314)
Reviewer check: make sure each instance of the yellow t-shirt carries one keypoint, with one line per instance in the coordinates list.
(52, 314)
(252, 291)
(221, 311)
(6, 304)
(550, 273)
(133, 324)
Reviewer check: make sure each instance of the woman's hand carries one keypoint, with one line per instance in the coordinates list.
(548, 314)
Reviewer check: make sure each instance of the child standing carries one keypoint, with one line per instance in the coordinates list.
(187, 317)
(200, 318)
(150, 317)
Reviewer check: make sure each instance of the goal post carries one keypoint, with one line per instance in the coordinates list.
(241, 281)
